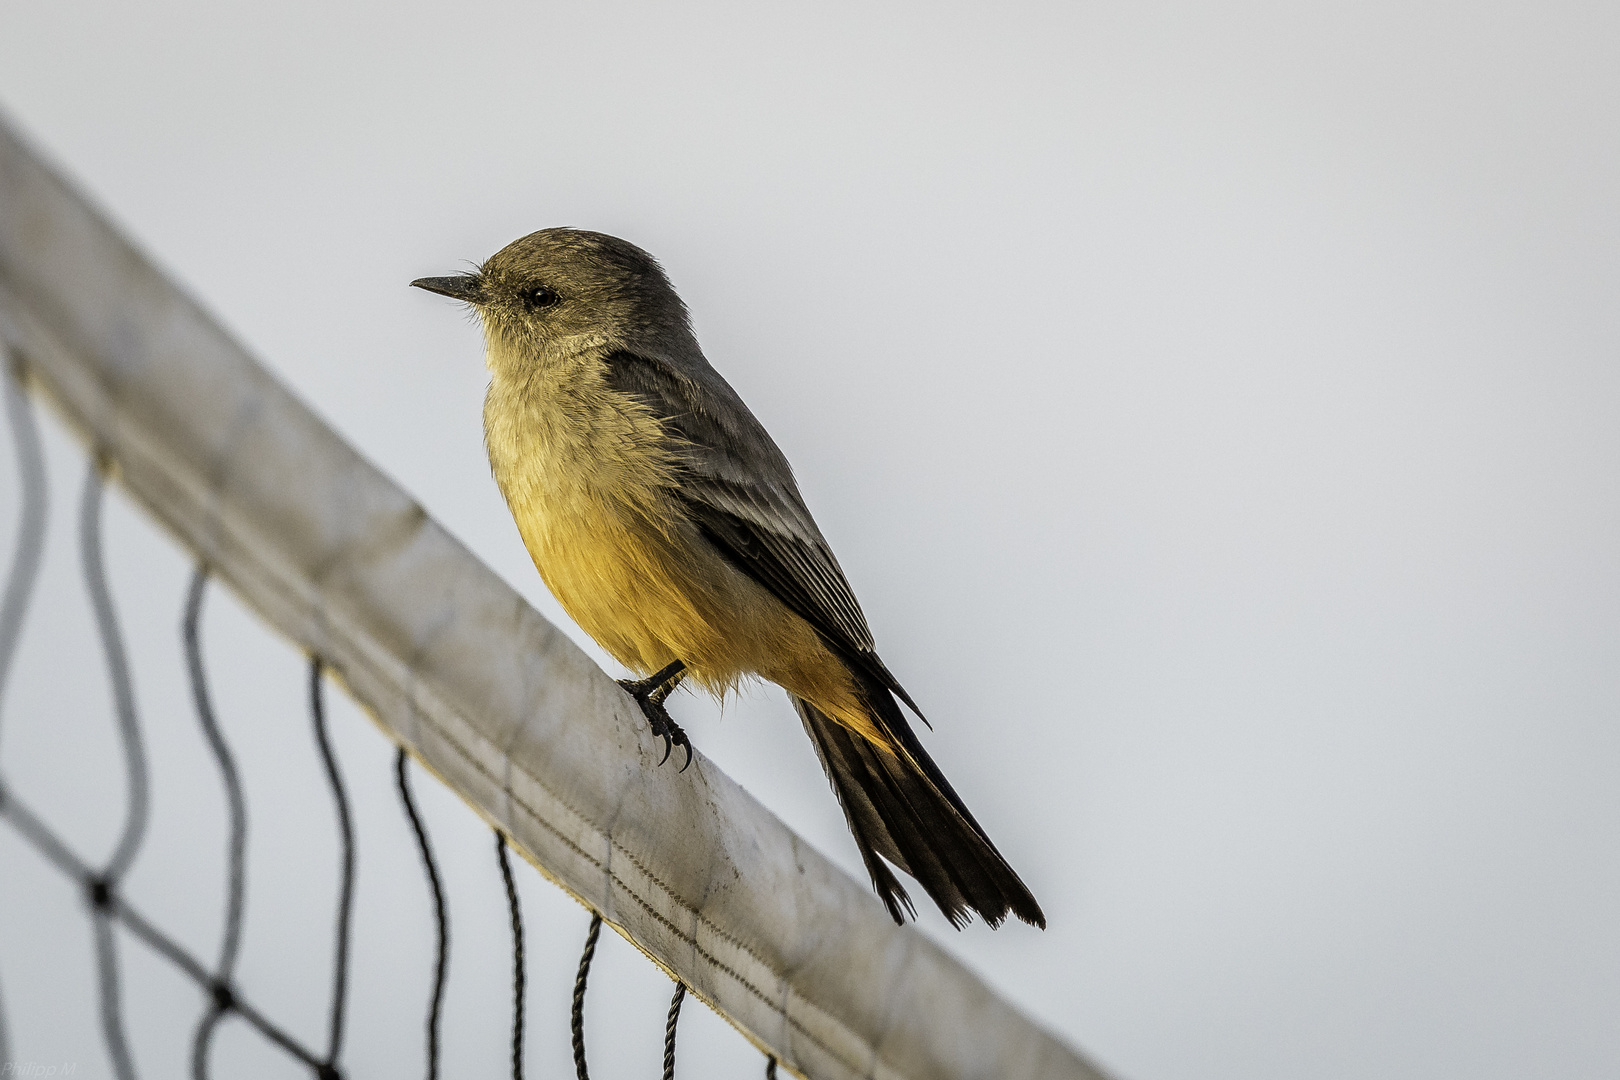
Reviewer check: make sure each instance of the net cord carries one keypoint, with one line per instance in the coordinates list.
(345, 906)
(669, 1030)
(576, 1016)
(220, 998)
(519, 976)
(441, 922)
(27, 553)
(101, 886)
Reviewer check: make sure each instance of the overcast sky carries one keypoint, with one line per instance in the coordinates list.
(1213, 405)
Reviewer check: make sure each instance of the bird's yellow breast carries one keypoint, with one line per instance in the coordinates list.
(584, 469)
(587, 472)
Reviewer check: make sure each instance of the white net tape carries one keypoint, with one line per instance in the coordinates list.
(457, 668)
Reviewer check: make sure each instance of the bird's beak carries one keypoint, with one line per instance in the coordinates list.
(468, 288)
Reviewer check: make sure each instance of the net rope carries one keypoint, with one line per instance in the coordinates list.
(110, 910)
(518, 979)
(219, 999)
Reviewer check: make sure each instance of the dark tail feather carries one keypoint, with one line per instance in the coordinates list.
(900, 807)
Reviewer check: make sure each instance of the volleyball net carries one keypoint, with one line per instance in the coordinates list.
(467, 680)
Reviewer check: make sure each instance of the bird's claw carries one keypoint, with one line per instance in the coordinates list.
(674, 737)
(650, 696)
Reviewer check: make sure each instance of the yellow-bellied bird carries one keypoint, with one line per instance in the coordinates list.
(669, 526)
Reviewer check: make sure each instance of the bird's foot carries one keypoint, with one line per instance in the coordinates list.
(650, 694)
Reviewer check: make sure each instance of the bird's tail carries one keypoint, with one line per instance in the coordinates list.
(900, 807)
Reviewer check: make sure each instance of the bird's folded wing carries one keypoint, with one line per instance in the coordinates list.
(738, 488)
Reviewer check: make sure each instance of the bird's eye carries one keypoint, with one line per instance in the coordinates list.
(542, 297)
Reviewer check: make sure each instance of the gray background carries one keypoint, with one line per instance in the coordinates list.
(1213, 405)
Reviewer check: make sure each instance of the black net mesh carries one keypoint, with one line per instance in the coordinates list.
(111, 914)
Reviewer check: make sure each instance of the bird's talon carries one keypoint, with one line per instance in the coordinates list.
(649, 694)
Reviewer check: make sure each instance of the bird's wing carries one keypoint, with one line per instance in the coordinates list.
(738, 488)
(736, 485)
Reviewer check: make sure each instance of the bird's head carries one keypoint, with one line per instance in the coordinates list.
(569, 290)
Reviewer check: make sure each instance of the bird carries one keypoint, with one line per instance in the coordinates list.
(669, 526)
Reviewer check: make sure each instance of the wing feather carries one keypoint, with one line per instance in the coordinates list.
(739, 489)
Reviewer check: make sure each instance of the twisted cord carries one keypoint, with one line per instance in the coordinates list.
(340, 964)
(204, 1036)
(441, 962)
(30, 549)
(102, 887)
(220, 999)
(517, 954)
(112, 645)
(577, 1019)
(31, 519)
(669, 1030)
(112, 1024)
